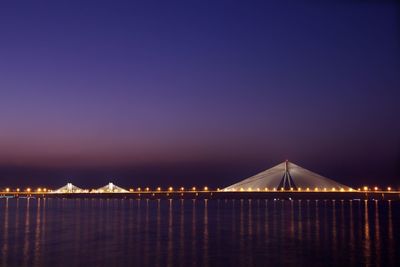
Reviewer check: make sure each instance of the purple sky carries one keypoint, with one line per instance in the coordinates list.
(190, 92)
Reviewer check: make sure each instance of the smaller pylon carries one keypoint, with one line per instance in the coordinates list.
(111, 188)
(69, 188)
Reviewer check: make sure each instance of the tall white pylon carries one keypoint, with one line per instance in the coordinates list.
(286, 176)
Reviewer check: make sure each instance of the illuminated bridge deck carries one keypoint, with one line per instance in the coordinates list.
(312, 195)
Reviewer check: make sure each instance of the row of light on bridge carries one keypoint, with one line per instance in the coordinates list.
(171, 189)
(45, 190)
(139, 189)
(316, 189)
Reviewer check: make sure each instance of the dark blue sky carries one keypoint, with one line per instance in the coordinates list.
(192, 92)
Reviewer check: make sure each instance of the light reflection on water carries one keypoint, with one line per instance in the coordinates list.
(114, 232)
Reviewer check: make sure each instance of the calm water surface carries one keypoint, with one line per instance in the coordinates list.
(113, 232)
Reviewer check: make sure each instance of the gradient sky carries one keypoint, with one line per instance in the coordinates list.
(197, 92)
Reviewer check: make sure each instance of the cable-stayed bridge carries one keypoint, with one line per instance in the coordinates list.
(283, 181)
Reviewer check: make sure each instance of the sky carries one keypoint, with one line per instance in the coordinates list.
(197, 92)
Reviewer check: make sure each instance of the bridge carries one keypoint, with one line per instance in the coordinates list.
(205, 193)
(283, 181)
